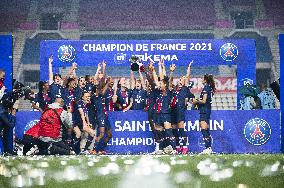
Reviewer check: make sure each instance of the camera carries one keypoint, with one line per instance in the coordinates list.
(19, 91)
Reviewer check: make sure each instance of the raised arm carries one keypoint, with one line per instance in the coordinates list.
(164, 68)
(172, 68)
(188, 74)
(106, 86)
(132, 80)
(114, 97)
(149, 77)
(152, 68)
(50, 60)
(98, 72)
(161, 71)
(71, 72)
(104, 67)
(142, 80)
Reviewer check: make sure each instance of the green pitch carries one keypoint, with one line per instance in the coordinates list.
(113, 171)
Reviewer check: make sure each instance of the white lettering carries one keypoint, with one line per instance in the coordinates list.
(122, 142)
(117, 125)
(142, 126)
(126, 126)
(108, 47)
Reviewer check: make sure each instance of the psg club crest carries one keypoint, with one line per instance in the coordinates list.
(66, 53)
(257, 131)
(229, 52)
(31, 124)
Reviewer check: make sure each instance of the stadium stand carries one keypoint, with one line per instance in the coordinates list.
(12, 13)
(146, 36)
(146, 15)
(150, 19)
(275, 11)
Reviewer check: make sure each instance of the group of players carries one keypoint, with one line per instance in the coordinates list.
(90, 98)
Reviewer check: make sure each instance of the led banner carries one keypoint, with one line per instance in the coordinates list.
(203, 52)
(6, 61)
(281, 47)
(257, 131)
(6, 64)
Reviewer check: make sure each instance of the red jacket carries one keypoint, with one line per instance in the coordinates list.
(50, 123)
(33, 131)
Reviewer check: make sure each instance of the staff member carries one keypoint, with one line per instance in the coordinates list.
(51, 127)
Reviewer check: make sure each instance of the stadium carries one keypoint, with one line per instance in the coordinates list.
(141, 93)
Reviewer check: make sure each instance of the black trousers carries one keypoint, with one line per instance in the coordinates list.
(5, 126)
(29, 142)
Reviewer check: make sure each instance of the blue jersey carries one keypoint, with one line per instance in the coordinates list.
(100, 106)
(123, 98)
(139, 99)
(69, 98)
(190, 95)
(206, 107)
(89, 87)
(152, 98)
(55, 91)
(267, 99)
(78, 93)
(76, 114)
(163, 103)
(43, 100)
(179, 96)
(108, 99)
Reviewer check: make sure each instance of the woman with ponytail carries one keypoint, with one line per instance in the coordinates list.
(204, 106)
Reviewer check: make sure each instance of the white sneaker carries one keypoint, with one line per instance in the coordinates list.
(207, 151)
(84, 152)
(168, 149)
(173, 152)
(157, 146)
(159, 152)
(18, 148)
(33, 151)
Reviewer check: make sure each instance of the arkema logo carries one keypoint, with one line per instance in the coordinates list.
(257, 131)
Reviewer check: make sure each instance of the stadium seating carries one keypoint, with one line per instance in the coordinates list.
(12, 13)
(148, 14)
(224, 101)
(146, 36)
(275, 11)
(230, 3)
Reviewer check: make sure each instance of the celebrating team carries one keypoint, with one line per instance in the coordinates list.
(89, 99)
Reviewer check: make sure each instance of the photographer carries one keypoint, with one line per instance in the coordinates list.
(8, 108)
(5, 123)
